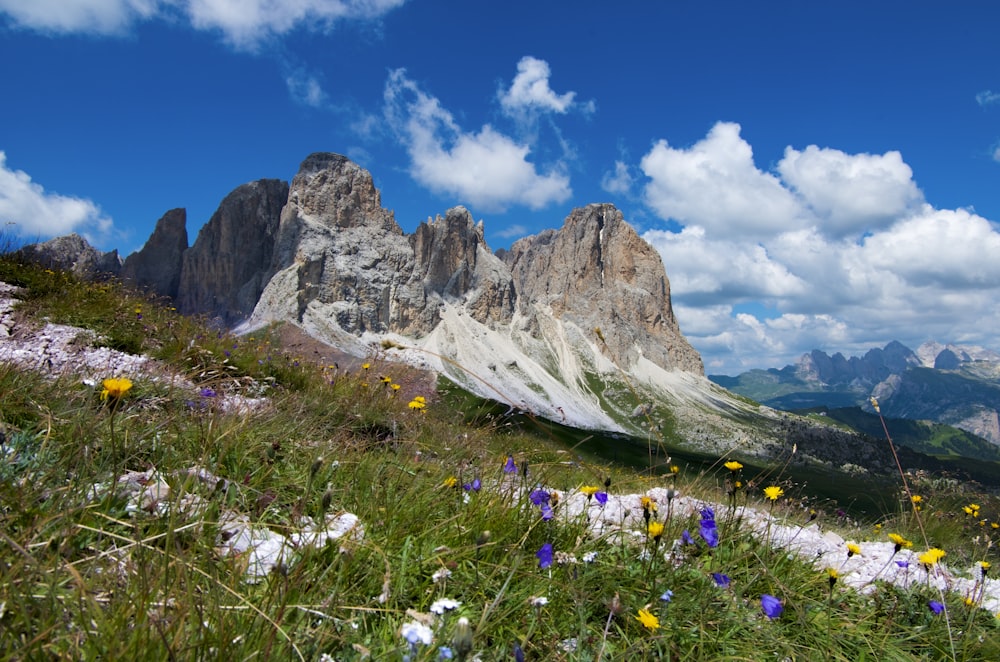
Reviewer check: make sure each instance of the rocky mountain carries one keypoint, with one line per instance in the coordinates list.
(574, 324)
(74, 254)
(950, 384)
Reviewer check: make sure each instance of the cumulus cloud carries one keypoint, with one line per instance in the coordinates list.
(243, 23)
(850, 193)
(484, 168)
(619, 181)
(32, 212)
(832, 250)
(530, 90)
(715, 184)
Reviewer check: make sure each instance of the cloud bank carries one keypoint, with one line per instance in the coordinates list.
(29, 211)
(484, 168)
(244, 24)
(829, 250)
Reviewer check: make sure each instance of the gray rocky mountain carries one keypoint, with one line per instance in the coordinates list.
(74, 254)
(156, 267)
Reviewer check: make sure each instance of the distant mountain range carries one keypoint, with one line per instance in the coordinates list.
(956, 385)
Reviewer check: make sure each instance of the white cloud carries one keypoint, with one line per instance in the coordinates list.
(716, 185)
(35, 213)
(850, 193)
(530, 90)
(987, 97)
(511, 231)
(996, 153)
(485, 168)
(89, 16)
(305, 89)
(620, 181)
(842, 250)
(243, 23)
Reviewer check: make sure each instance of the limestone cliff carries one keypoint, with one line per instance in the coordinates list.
(156, 267)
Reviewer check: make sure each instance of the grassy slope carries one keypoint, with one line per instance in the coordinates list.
(85, 576)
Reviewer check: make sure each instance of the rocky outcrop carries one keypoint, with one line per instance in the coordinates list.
(156, 267)
(225, 271)
(598, 273)
(74, 254)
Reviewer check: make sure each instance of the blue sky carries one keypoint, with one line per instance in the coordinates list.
(815, 175)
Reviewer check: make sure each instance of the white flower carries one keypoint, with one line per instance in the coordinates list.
(441, 575)
(417, 633)
(538, 601)
(589, 557)
(442, 605)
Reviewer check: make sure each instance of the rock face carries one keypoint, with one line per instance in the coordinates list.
(156, 267)
(73, 253)
(598, 273)
(224, 272)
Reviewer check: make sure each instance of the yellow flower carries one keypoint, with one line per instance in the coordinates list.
(650, 622)
(995, 525)
(417, 404)
(674, 469)
(395, 387)
(733, 465)
(115, 387)
(655, 530)
(773, 492)
(386, 380)
(931, 556)
(832, 574)
(900, 541)
(916, 498)
(984, 567)
(648, 504)
(450, 481)
(853, 549)
(590, 490)
(365, 366)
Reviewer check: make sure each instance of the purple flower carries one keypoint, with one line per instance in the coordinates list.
(686, 537)
(903, 564)
(771, 606)
(474, 486)
(721, 579)
(707, 514)
(544, 555)
(539, 497)
(935, 606)
(667, 596)
(207, 392)
(710, 534)
(601, 497)
(547, 511)
(510, 467)
(518, 653)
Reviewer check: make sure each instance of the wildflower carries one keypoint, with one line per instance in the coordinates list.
(648, 620)
(365, 366)
(903, 564)
(773, 492)
(674, 469)
(441, 605)
(984, 567)
(832, 574)
(667, 596)
(538, 497)
(510, 467)
(733, 465)
(417, 633)
(995, 525)
(538, 601)
(853, 549)
(462, 641)
(686, 537)
(655, 530)
(450, 481)
(445, 653)
(601, 498)
(474, 486)
(916, 498)
(771, 606)
(418, 403)
(590, 490)
(721, 579)
(544, 555)
(589, 557)
(518, 652)
(708, 529)
(115, 387)
(395, 387)
(931, 556)
(648, 507)
(971, 510)
(440, 575)
(899, 541)
(935, 606)
(207, 392)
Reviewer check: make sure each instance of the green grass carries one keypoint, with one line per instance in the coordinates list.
(86, 574)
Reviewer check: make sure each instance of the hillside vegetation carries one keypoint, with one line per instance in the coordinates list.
(234, 500)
